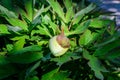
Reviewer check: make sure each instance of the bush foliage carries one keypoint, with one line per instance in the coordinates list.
(27, 25)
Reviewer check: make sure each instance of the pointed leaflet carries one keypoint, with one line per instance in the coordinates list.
(78, 16)
(29, 9)
(57, 8)
(69, 7)
(17, 22)
(86, 38)
(4, 11)
(97, 67)
(95, 64)
(80, 28)
(68, 4)
(43, 30)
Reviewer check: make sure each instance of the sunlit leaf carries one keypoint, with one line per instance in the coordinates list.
(100, 23)
(69, 14)
(17, 22)
(69, 7)
(43, 31)
(57, 8)
(19, 44)
(41, 10)
(9, 47)
(60, 76)
(85, 38)
(3, 29)
(50, 74)
(29, 9)
(54, 27)
(79, 29)
(86, 54)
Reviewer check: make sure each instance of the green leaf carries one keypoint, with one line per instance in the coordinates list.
(60, 76)
(69, 14)
(9, 47)
(57, 8)
(100, 23)
(78, 16)
(14, 29)
(86, 38)
(42, 30)
(7, 70)
(5, 12)
(54, 27)
(113, 55)
(80, 28)
(86, 54)
(97, 67)
(16, 22)
(3, 60)
(41, 10)
(110, 39)
(65, 58)
(31, 69)
(34, 23)
(25, 58)
(101, 51)
(19, 44)
(29, 9)
(26, 55)
(69, 7)
(112, 28)
(3, 29)
(50, 74)
(89, 37)
(26, 49)
(68, 4)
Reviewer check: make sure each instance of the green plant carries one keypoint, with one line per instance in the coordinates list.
(25, 32)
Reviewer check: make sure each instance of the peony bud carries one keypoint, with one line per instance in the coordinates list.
(59, 44)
